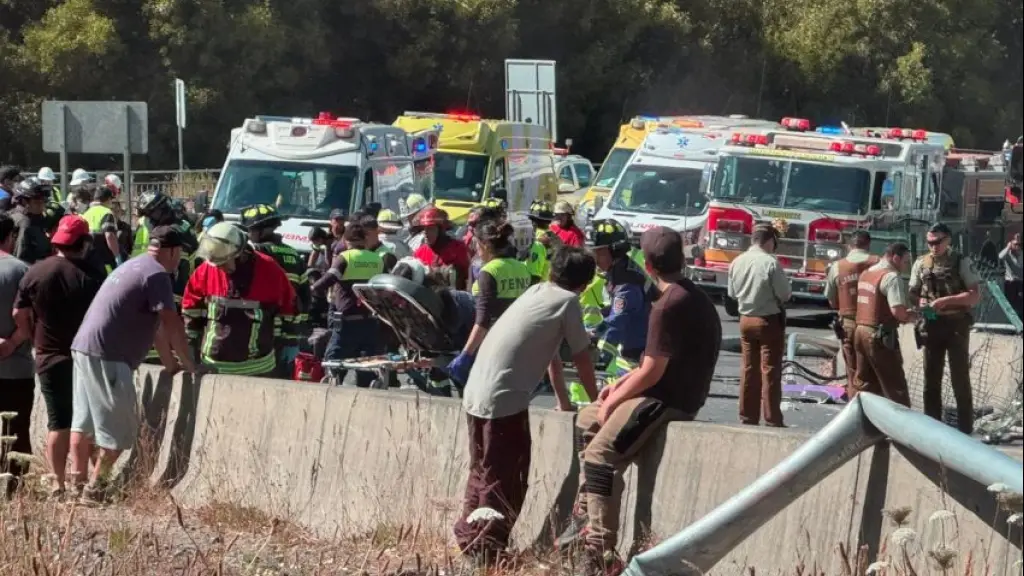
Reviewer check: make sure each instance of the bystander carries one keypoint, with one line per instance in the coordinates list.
(1012, 259)
(17, 382)
(53, 298)
(118, 330)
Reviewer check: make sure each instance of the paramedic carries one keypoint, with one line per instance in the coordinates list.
(238, 305)
(354, 330)
(502, 280)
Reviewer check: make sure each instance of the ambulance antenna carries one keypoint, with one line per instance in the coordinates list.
(846, 128)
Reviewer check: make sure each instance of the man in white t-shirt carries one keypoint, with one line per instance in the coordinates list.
(521, 346)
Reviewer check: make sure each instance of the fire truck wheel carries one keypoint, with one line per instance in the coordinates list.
(731, 307)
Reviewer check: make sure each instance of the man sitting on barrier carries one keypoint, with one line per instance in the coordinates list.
(517, 351)
(672, 383)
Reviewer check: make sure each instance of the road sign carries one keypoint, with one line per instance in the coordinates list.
(179, 101)
(95, 127)
(530, 94)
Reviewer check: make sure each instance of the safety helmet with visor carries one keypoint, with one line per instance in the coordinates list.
(79, 177)
(608, 233)
(261, 217)
(46, 174)
(33, 188)
(222, 244)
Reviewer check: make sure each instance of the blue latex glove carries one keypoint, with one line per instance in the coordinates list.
(458, 369)
(288, 354)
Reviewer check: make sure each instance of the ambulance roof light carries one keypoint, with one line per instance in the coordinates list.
(459, 116)
(740, 139)
(638, 123)
(257, 126)
(831, 130)
(419, 146)
(796, 124)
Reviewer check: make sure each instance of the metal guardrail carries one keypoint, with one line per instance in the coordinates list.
(866, 422)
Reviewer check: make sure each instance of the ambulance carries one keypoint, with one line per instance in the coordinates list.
(665, 181)
(816, 188)
(477, 159)
(308, 167)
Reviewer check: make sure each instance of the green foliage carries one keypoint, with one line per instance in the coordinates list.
(948, 65)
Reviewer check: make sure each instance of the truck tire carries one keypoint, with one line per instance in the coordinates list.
(732, 307)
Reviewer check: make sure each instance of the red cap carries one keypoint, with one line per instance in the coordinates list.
(70, 229)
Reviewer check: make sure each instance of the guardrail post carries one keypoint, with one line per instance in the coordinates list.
(871, 520)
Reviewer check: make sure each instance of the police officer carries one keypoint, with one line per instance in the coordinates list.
(354, 330)
(841, 291)
(625, 322)
(759, 285)
(262, 221)
(882, 305)
(30, 198)
(102, 222)
(945, 284)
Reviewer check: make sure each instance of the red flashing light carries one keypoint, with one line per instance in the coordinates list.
(560, 151)
(896, 133)
(463, 117)
(739, 139)
(921, 135)
(730, 220)
(872, 150)
(1013, 196)
(798, 124)
(323, 119)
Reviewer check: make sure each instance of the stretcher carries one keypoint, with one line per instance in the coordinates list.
(414, 312)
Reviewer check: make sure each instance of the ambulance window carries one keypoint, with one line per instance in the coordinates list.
(584, 174)
(566, 174)
(498, 175)
(368, 187)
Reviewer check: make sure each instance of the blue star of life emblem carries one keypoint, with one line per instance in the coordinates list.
(683, 142)
(439, 127)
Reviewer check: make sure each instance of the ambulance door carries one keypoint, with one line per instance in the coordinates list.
(393, 181)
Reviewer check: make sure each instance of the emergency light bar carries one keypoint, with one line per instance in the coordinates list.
(850, 148)
(740, 139)
(457, 116)
(796, 124)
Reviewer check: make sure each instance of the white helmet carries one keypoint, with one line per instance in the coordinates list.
(222, 243)
(414, 203)
(113, 181)
(46, 174)
(80, 176)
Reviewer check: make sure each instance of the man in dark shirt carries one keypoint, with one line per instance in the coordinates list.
(31, 243)
(53, 298)
(672, 383)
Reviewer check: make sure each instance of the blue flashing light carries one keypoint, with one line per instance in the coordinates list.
(373, 146)
(831, 130)
(504, 144)
(419, 146)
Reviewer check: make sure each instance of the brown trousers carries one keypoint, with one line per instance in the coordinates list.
(949, 336)
(606, 451)
(763, 344)
(879, 368)
(850, 356)
(499, 470)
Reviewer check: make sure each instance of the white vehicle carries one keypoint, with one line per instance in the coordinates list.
(666, 180)
(308, 167)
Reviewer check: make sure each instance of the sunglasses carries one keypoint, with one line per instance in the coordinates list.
(936, 242)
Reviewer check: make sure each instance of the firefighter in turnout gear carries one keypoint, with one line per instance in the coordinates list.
(882, 305)
(262, 220)
(841, 290)
(239, 306)
(946, 286)
(541, 214)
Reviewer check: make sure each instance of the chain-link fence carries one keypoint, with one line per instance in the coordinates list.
(996, 359)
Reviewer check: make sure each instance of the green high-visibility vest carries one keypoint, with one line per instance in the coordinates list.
(592, 302)
(141, 244)
(361, 265)
(512, 277)
(94, 217)
(539, 264)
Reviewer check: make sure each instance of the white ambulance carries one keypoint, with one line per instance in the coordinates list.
(309, 167)
(666, 180)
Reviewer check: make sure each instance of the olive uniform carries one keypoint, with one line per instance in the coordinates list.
(948, 333)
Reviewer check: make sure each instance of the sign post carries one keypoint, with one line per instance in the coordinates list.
(96, 128)
(179, 107)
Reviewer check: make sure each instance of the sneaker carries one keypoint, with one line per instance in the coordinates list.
(601, 564)
(574, 533)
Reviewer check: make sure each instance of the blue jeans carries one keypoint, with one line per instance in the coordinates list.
(354, 337)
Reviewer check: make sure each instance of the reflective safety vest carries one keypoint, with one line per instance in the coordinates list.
(58, 196)
(592, 300)
(361, 265)
(512, 277)
(141, 244)
(94, 217)
(617, 368)
(539, 264)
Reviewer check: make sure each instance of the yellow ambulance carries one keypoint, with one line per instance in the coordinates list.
(477, 159)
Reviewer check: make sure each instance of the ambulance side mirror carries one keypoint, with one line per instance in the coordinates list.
(500, 193)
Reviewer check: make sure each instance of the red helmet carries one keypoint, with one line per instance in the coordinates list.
(433, 216)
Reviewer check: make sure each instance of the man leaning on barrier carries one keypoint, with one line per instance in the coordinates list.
(882, 305)
(672, 384)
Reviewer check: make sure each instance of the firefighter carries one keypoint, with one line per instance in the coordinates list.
(545, 240)
(239, 306)
(29, 200)
(946, 286)
(154, 210)
(841, 290)
(354, 331)
(106, 251)
(262, 221)
(390, 226)
(882, 305)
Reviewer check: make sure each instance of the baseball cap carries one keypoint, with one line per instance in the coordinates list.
(69, 230)
(338, 214)
(166, 237)
(663, 249)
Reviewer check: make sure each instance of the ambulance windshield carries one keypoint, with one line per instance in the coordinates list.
(660, 190)
(459, 176)
(296, 188)
(612, 167)
(789, 184)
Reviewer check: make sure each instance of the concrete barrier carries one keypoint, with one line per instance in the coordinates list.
(343, 461)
